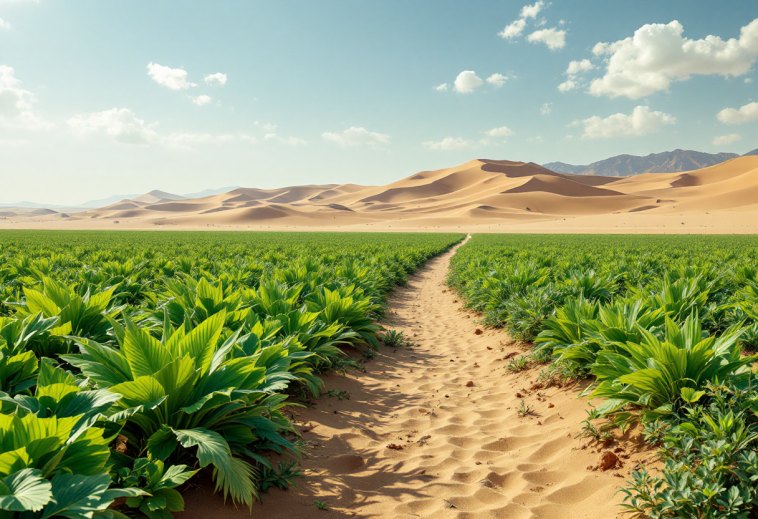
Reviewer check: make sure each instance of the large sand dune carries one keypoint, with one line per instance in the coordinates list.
(480, 195)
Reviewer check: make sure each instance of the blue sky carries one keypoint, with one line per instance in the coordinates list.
(101, 98)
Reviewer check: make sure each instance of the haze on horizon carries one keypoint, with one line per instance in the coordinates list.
(98, 99)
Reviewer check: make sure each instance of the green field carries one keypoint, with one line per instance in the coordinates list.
(665, 327)
(129, 360)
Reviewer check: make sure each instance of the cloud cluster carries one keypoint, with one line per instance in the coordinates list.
(4, 24)
(503, 131)
(553, 37)
(658, 55)
(515, 28)
(124, 127)
(357, 137)
(546, 108)
(640, 122)
(574, 70)
(16, 103)
(744, 114)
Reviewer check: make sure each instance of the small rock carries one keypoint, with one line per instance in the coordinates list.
(478, 331)
(395, 447)
(608, 460)
(550, 405)
(470, 384)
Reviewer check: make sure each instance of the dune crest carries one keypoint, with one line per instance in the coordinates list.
(481, 192)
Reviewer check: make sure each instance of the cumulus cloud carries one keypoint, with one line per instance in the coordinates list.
(215, 79)
(554, 38)
(640, 122)
(448, 143)
(577, 67)
(357, 137)
(546, 108)
(726, 140)
(16, 103)
(497, 80)
(173, 78)
(658, 54)
(201, 100)
(467, 81)
(574, 70)
(744, 114)
(4, 24)
(441, 88)
(748, 80)
(503, 131)
(568, 85)
(515, 28)
(189, 140)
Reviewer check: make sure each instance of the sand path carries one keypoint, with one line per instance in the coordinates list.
(466, 452)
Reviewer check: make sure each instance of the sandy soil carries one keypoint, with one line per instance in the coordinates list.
(479, 196)
(453, 409)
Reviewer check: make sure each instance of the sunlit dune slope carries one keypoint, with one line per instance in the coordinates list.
(479, 191)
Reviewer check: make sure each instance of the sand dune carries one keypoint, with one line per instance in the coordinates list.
(510, 195)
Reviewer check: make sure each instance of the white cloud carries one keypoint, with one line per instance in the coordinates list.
(16, 103)
(201, 100)
(726, 140)
(121, 124)
(497, 80)
(657, 54)
(4, 24)
(124, 127)
(173, 78)
(441, 88)
(748, 80)
(248, 138)
(531, 11)
(503, 131)
(467, 81)
(515, 28)
(554, 38)
(268, 127)
(546, 108)
(567, 85)
(536, 138)
(291, 141)
(640, 122)
(744, 114)
(577, 67)
(448, 143)
(215, 79)
(357, 137)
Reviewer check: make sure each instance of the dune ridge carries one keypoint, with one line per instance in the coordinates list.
(480, 192)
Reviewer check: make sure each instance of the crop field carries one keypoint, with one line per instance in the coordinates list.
(131, 360)
(665, 327)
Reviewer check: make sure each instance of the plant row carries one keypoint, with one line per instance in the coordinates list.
(131, 361)
(666, 326)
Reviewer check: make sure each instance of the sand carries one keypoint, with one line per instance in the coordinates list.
(453, 408)
(479, 196)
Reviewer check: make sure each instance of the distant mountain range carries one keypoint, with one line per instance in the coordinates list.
(628, 165)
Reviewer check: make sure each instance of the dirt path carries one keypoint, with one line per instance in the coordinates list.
(466, 452)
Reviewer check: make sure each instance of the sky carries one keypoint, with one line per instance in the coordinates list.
(105, 98)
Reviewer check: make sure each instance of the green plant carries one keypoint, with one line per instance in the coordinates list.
(321, 505)
(281, 477)
(158, 485)
(657, 376)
